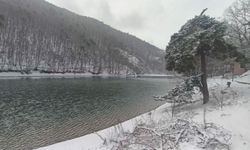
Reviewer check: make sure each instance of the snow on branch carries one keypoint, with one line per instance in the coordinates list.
(183, 92)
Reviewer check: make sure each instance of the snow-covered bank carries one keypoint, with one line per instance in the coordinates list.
(245, 78)
(231, 111)
(17, 75)
(37, 75)
(155, 76)
(95, 141)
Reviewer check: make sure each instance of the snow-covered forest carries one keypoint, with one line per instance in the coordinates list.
(39, 36)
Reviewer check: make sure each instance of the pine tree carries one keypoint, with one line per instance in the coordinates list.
(199, 38)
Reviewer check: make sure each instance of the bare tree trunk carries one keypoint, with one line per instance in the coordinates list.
(232, 71)
(204, 73)
(204, 78)
(204, 117)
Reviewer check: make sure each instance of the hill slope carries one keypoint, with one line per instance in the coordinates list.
(40, 36)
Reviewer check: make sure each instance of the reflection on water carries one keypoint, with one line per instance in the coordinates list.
(35, 113)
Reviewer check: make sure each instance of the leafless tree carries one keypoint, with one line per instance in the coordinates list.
(238, 18)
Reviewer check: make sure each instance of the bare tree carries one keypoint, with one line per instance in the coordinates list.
(238, 18)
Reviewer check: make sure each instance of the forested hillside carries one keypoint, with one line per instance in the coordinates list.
(39, 36)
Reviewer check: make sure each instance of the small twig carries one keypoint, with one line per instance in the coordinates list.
(204, 10)
(204, 118)
(173, 109)
(179, 136)
(103, 139)
(143, 144)
(152, 131)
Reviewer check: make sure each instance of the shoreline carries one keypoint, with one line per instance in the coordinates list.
(38, 75)
(96, 139)
(85, 118)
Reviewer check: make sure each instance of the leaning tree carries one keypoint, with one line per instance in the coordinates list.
(199, 38)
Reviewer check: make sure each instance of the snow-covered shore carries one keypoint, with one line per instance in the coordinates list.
(36, 74)
(13, 75)
(233, 116)
(245, 78)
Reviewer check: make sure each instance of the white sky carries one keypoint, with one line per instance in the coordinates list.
(151, 20)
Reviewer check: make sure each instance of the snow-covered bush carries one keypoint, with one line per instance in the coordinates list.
(183, 92)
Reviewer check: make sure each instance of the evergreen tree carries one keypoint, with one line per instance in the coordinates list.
(199, 38)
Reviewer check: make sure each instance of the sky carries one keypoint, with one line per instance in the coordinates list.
(151, 20)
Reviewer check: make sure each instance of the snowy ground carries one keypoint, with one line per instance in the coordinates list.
(229, 108)
(245, 78)
(234, 115)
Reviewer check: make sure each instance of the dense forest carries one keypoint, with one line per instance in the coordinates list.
(37, 35)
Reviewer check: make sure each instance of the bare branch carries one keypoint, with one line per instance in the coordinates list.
(204, 10)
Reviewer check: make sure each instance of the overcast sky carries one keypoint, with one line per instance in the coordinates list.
(151, 20)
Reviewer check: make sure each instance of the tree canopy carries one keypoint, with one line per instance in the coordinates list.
(200, 34)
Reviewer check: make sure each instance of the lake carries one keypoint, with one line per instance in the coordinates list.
(40, 112)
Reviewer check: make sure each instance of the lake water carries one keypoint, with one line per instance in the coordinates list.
(40, 112)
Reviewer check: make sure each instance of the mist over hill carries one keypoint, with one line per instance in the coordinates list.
(40, 36)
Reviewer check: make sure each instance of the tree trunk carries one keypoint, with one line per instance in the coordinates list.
(204, 78)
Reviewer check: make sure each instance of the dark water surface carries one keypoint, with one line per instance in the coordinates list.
(40, 112)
